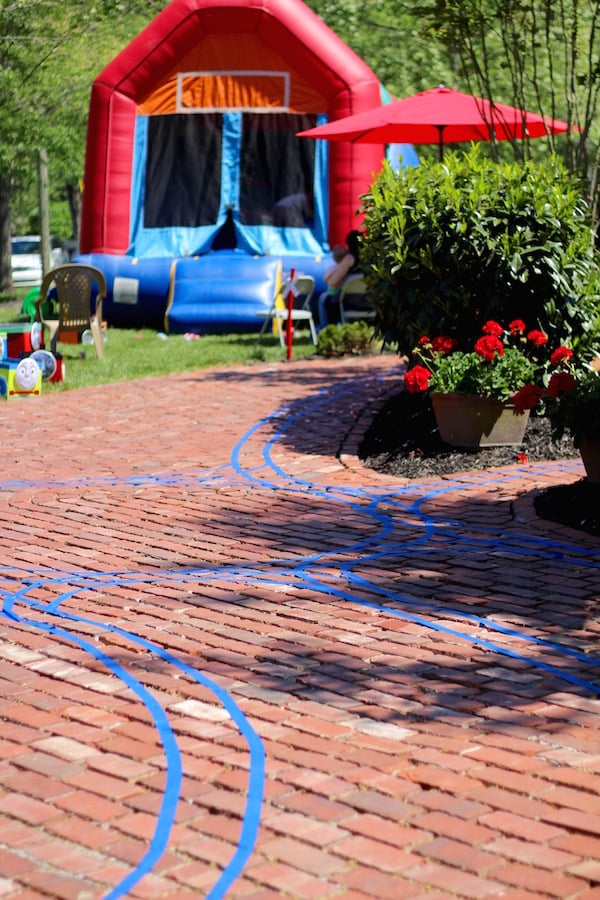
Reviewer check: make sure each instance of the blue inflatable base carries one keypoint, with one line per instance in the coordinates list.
(216, 293)
(221, 292)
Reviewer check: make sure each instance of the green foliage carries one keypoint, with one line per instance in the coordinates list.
(380, 31)
(469, 373)
(355, 338)
(50, 53)
(450, 245)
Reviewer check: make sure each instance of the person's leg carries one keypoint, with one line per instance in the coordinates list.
(332, 306)
(322, 311)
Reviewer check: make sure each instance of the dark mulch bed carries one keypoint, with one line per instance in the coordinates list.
(403, 441)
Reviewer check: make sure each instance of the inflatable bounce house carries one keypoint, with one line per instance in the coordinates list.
(197, 193)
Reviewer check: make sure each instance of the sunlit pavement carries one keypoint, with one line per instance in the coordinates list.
(235, 662)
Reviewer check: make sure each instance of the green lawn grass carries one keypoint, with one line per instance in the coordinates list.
(139, 353)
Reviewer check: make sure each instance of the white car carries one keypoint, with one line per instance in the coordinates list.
(26, 259)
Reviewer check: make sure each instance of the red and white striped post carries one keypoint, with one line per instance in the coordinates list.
(290, 315)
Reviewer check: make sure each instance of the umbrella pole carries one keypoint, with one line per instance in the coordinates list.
(440, 129)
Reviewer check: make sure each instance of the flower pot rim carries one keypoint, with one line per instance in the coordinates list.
(473, 396)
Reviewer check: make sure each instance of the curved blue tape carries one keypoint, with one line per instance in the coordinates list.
(256, 777)
(166, 815)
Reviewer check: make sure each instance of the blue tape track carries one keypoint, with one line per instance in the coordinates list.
(171, 795)
(388, 510)
(166, 815)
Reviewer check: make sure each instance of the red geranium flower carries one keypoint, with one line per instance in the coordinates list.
(417, 379)
(517, 326)
(527, 397)
(493, 328)
(422, 340)
(560, 383)
(560, 354)
(538, 338)
(488, 346)
(443, 344)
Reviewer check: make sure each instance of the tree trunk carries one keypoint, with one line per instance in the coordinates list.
(74, 200)
(6, 282)
(44, 209)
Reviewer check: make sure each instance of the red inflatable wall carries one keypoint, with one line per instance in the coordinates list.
(345, 82)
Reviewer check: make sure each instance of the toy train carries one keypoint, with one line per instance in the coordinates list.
(24, 363)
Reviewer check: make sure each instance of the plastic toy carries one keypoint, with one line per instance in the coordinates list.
(20, 378)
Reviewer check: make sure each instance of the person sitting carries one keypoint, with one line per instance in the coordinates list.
(338, 253)
(345, 266)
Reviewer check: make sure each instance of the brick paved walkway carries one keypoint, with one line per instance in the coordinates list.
(234, 662)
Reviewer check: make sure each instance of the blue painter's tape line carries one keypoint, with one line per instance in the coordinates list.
(256, 776)
(166, 815)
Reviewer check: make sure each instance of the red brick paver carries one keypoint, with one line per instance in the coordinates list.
(235, 661)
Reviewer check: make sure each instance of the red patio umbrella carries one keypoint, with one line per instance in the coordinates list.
(438, 116)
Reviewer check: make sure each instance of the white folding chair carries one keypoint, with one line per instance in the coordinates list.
(303, 287)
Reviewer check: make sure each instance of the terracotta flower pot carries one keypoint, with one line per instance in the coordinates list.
(590, 456)
(470, 421)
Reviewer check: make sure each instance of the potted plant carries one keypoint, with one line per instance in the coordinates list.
(573, 405)
(482, 395)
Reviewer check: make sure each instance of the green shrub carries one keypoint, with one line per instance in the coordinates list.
(354, 338)
(450, 245)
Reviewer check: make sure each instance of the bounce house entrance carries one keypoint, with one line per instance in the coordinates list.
(243, 175)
